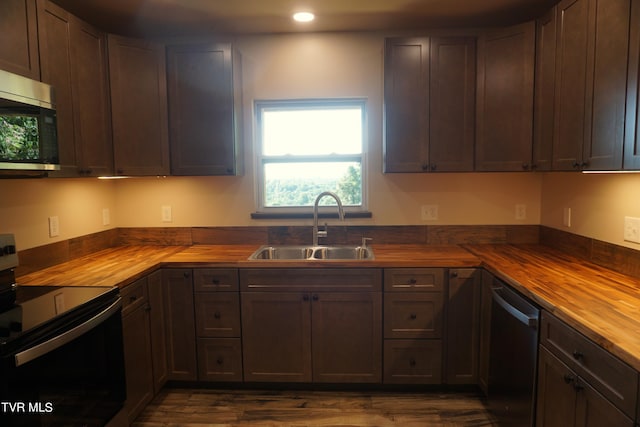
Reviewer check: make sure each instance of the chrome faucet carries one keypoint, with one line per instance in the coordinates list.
(323, 233)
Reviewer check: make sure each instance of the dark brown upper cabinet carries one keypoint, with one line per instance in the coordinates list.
(544, 97)
(632, 133)
(429, 101)
(73, 60)
(204, 109)
(504, 131)
(19, 47)
(590, 84)
(139, 106)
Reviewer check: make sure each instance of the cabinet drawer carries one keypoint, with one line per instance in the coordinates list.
(217, 314)
(414, 279)
(413, 315)
(215, 279)
(616, 380)
(133, 296)
(219, 359)
(412, 361)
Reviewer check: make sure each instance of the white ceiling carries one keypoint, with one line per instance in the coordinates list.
(189, 17)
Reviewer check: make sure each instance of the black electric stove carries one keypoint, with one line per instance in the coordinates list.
(61, 351)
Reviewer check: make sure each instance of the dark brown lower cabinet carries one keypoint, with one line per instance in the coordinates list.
(219, 359)
(180, 329)
(463, 326)
(137, 348)
(566, 399)
(413, 361)
(328, 337)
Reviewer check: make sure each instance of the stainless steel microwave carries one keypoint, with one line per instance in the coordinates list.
(28, 131)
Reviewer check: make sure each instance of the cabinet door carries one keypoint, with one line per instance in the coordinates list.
(157, 328)
(276, 336)
(594, 410)
(73, 60)
(19, 47)
(138, 106)
(203, 119)
(606, 83)
(571, 83)
(92, 111)
(452, 104)
(180, 324)
(347, 337)
(505, 99)
(406, 105)
(137, 354)
(556, 400)
(463, 326)
(544, 90)
(55, 56)
(632, 126)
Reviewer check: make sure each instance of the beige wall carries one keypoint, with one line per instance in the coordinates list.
(26, 205)
(598, 202)
(325, 65)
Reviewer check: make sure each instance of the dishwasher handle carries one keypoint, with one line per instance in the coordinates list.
(529, 320)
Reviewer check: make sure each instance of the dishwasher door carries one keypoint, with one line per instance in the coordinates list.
(513, 357)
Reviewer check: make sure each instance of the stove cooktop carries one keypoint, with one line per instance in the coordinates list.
(39, 305)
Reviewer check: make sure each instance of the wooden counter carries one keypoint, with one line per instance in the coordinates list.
(600, 303)
(118, 266)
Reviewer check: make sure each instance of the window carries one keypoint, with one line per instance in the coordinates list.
(307, 147)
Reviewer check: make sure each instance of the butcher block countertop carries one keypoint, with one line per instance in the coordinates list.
(598, 302)
(602, 304)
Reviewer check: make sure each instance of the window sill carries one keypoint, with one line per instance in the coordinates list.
(308, 215)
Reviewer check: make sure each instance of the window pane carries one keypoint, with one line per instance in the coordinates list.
(298, 184)
(312, 131)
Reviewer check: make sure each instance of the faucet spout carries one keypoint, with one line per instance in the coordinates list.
(323, 233)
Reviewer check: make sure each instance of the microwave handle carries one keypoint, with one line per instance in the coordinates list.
(68, 336)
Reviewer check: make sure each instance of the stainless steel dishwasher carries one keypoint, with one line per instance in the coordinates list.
(513, 355)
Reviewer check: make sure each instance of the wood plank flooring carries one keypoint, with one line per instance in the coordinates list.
(260, 408)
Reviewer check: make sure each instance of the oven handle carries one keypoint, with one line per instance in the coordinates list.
(68, 336)
(531, 321)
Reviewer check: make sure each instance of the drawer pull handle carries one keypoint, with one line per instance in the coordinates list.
(217, 315)
(220, 361)
(215, 281)
(454, 274)
(578, 355)
(315, 297)
(569, 379)
(412, 281)
(133, 298)
(412, 362)
(305, 297)
(413, 316)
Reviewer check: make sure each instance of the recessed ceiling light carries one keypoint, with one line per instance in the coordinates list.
(303, 16)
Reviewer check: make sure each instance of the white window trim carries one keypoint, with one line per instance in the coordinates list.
(259, 159)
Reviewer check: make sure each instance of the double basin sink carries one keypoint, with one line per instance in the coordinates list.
(287, 252)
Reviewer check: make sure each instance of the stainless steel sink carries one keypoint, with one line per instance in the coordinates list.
(286, 252)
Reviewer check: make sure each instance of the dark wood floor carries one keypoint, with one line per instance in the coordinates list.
(241, 408)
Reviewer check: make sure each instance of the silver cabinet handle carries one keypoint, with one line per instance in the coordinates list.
(68, 336)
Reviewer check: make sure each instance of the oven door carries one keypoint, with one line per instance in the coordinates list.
(71, 375)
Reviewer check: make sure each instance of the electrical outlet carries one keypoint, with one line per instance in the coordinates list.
(566, 217)
(632, 229)
(54, 226)
(429, 212)
(166, 214)
(521, 211)
(106, 217)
